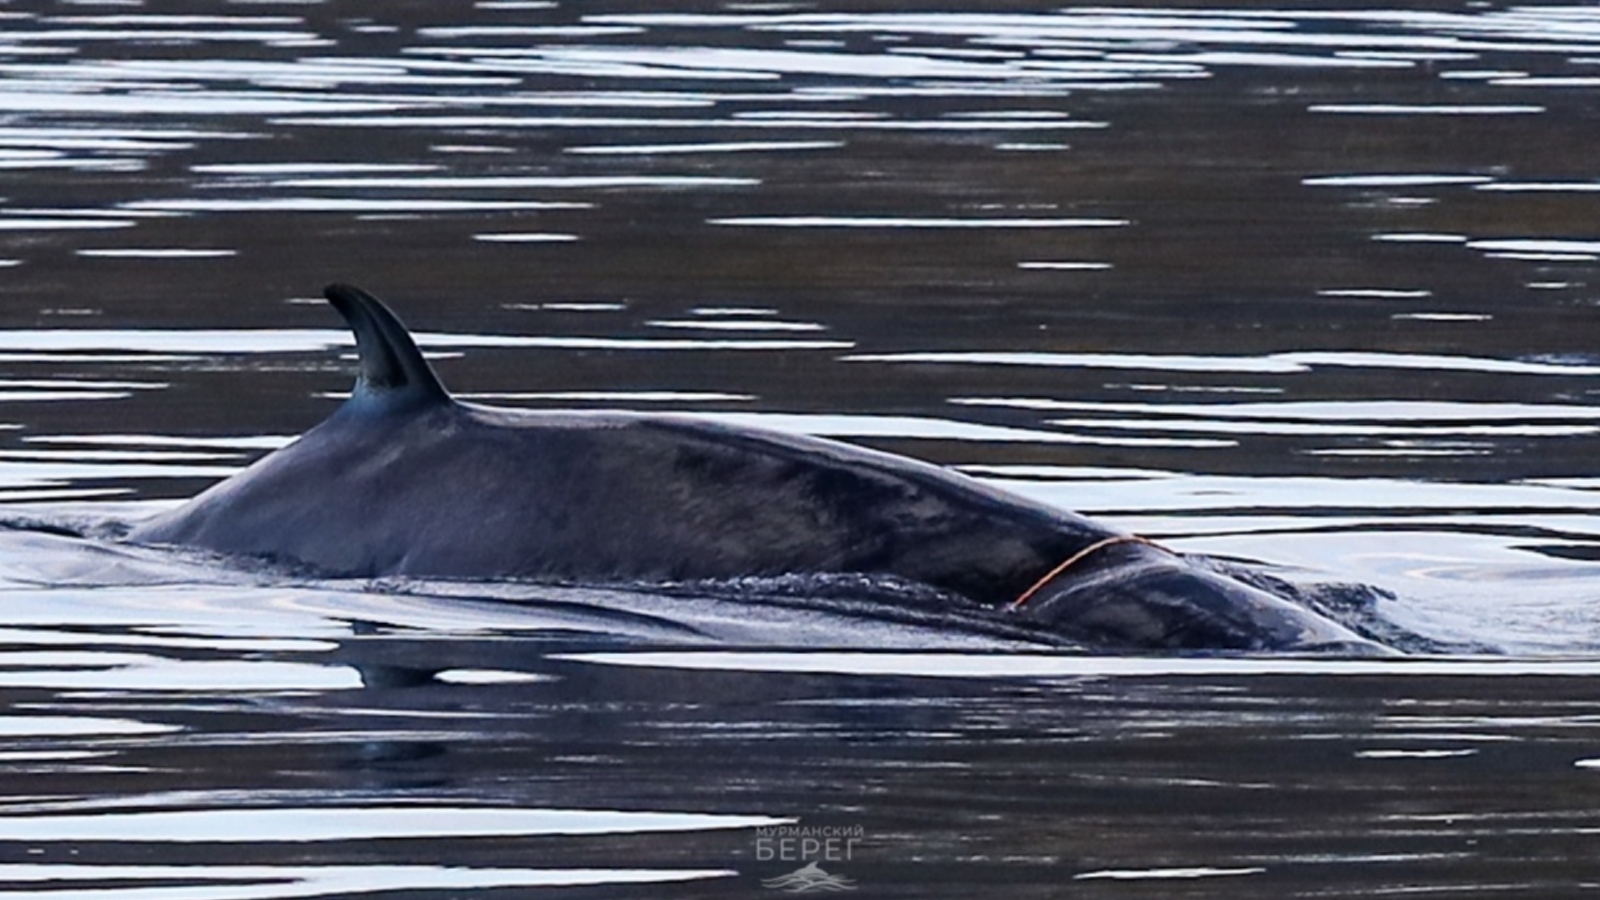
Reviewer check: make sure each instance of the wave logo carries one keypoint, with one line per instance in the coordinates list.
(809, 877)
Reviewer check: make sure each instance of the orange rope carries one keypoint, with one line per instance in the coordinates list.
(1076, 558)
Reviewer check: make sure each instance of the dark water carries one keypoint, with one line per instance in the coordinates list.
(1311, 286)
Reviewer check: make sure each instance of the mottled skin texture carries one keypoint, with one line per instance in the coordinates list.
(467, 491)
(404, 480)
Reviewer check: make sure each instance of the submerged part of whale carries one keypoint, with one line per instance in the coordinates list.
(404, 480)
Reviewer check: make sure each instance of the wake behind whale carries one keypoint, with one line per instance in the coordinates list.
(404, 480)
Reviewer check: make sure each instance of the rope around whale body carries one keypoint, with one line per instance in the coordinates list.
(1079, 557)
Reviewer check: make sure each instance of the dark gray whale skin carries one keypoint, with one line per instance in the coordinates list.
(404, 480)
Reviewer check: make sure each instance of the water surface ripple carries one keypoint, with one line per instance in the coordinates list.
(1310, 286)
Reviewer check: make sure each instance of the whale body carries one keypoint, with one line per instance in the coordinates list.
(404, 480)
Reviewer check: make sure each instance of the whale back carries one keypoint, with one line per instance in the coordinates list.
(264, 509)
(404, 480)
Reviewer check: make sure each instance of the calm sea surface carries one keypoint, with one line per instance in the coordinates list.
(1312, 286)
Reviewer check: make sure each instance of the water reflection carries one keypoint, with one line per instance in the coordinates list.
(268, 882)
(291, 824)
(909, 222)
(1244, 748)
(722, 147)
(1277, 363)
(1306, 287)
(343, 205)
(1014, 665)
(1165, 874)
(62, 726)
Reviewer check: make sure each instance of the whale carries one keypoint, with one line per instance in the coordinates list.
(405, 480)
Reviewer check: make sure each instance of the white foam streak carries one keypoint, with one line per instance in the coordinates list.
(1022, 665)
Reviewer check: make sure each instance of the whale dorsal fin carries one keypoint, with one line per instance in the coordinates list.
(393, 373)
